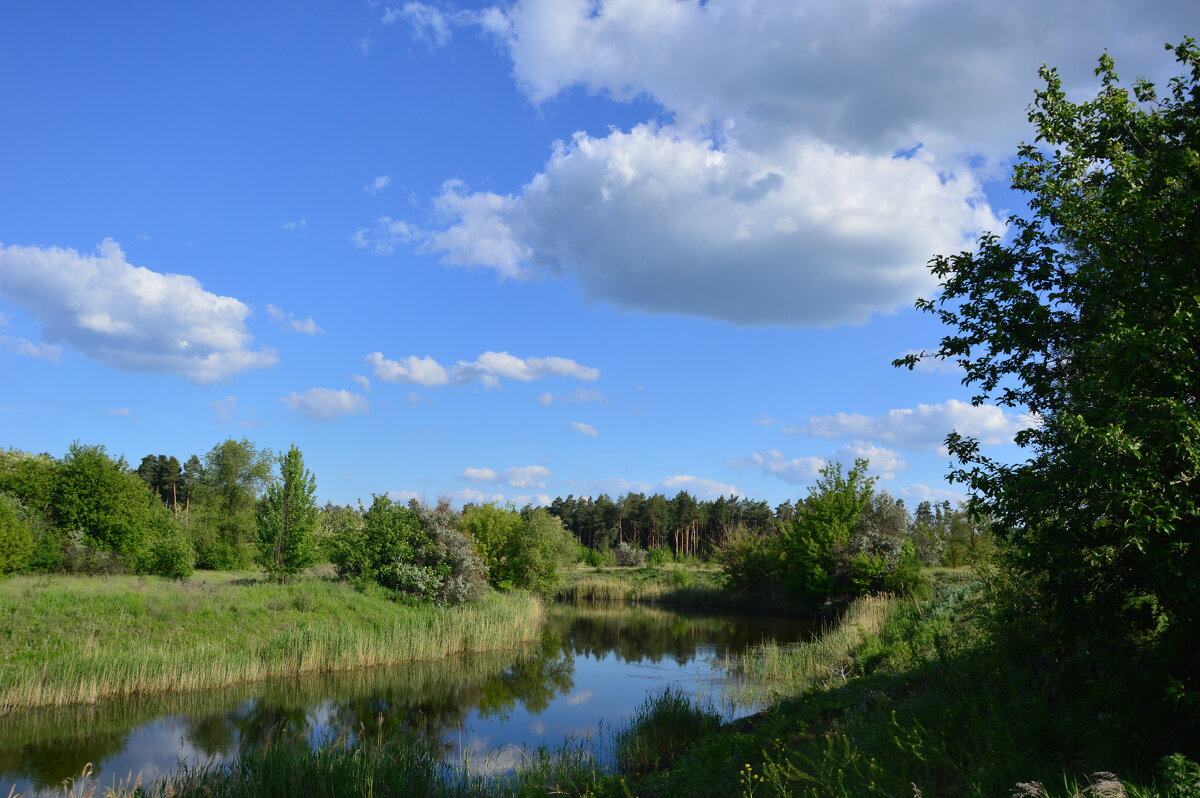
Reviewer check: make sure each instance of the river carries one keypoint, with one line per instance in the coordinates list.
(591, 670)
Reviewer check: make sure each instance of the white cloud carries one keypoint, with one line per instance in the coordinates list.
(584, 428)
(288, 321)
(420, 371)
(933, 365)
(224, 409)
(428, 23)
(378, 184)
(799, 183)
(487, 369)
(23, 346)
(960, 71)
(130, 317)
(323, 404)
(700, 487)
(294, 224)
(118, 411)
(472, 496)
(404, 496)
(580, 394)
(665, 222)
(884, 462)
(799, 471)
(383, 238)
(536, 499)
(362, 381)
(919, 492)
(517, 477)
(923, 428)
(364, 45)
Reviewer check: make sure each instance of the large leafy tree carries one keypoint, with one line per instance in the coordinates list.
(1088, 316)
(287, 520)
(232, 477)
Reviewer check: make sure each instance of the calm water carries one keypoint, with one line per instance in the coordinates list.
(593, 667)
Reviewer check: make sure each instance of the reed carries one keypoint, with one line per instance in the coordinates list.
(72, 640)
(771, 670)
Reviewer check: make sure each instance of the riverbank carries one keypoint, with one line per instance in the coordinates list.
(71, 640)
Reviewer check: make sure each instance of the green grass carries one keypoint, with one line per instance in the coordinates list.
(669, 584)
(68, 640)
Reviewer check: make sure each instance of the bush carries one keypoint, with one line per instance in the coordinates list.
(521, 550)
(597, 558)
(171, 554)
(16, 538)
(416, 552)
(629, 556)
(658, 556)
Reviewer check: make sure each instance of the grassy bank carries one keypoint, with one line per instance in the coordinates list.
(69, 640)
(669, 584)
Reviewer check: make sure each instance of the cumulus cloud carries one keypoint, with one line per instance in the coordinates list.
(130, 317)
(385, 235)
(378, 184)
(923, 428)
(584, 428)
(323, 404)
(288, 321)
(798, 471)
(933, 365)
(488, 369)
(884, 462)
(536, 499)
(224, 409)
(700, 487)
(294, 224)
(23, 346)
(417, 370)
(428, 24)
(472, 496)
(362, 381)
(580, 394)
(517, 477)
(920, 492)
(659, 221)
(946, 70)
(798, 183)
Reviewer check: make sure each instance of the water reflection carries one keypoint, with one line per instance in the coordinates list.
(593, 663)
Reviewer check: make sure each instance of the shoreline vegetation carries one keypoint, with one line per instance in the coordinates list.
(71, 640)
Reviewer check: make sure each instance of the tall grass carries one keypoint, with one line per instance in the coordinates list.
(774, 669)
(72, 640)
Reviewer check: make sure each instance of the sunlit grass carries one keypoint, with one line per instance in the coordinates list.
(74, 640)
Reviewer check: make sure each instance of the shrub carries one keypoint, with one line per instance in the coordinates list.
(520, 549)
(658, 556)
(629, 556)
(16, 538)
(597, 558)
(416, 552)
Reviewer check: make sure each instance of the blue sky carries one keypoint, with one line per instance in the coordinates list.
(507, 252)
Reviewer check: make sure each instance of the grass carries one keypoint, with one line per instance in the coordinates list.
(773, 670)
(670, 584)
(70, 640)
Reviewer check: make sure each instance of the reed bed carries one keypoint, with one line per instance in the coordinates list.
(72, 640)
(771, 670)
(648, 586)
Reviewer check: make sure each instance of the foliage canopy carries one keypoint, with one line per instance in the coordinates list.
(1088, 317)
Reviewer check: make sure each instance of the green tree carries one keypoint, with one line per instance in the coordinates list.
(287, 520)
(97, 495)
(1088, 317)
(233, 475)
(520, 550)
(16, 539)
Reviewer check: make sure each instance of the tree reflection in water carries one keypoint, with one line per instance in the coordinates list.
(43, 747)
